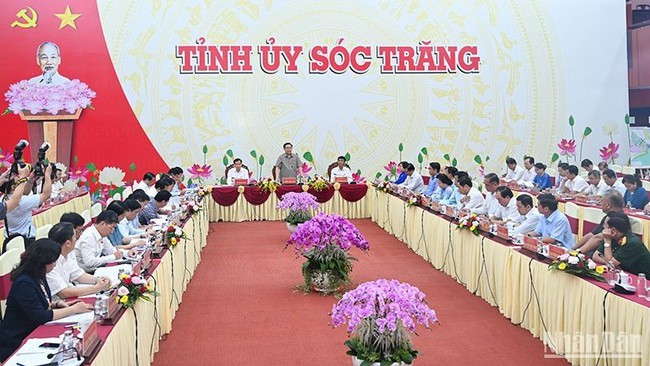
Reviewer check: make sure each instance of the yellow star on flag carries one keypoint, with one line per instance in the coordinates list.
(67, 18)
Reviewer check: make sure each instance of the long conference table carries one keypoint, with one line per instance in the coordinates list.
(570, 314)
(134, 337)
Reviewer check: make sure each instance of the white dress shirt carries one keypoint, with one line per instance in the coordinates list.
(528, 222)
(509, 212)
(56, 79)
(345, 172)
(516, 174)
(528, 176)
(143, 186)
(620, 187)
(20, 218)
(65, 272)
(578, 184)
(598, 190)
(56, 189)
(234, 174)
(492, 206)
(476, 201)
(93, 251)
(414, 183)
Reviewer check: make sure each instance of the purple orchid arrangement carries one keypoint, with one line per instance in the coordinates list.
(35, 98)
(298, 205)
(380, 314)
(323, 230)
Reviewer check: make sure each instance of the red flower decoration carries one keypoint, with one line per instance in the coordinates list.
(567, 147)
(609, 152)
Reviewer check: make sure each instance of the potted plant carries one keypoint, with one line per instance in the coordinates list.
(298, 205)
(381, 315)
(325, 241)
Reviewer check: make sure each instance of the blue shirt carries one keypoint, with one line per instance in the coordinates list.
(543, 181)
(401, 178)
(638, 199)
(454, 198)
(433, 184)
(556, 226)
(442, 194)
(116, 237)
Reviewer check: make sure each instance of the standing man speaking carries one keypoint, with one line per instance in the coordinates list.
(288, 163)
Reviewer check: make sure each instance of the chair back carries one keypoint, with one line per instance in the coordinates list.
(628, 170)
(95, 210)
(127, 192)
(232, 166)
(616, 168)
(8, 261)
(332, 166)
(42, 231)
(591, 219)
(86, 215)
(18, 242)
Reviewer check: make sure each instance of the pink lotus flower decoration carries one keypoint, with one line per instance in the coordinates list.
(35, 98)
(391, 167)
(6, 159)
(567, 147)
(304, 170)
(200, 171)
(356, 177)
(79, 173)
(609, 152)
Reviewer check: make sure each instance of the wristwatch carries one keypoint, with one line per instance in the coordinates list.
(607, 245)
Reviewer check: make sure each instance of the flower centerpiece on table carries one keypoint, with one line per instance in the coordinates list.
(469, 222)
(53, 99)
(268, 185)
(384, 186)
(414, 200)
(194, 207)
(298, 205)
(303, 172)
(325, 241)
(578, 264)
(381, 315)
(319, 183)
(133, 288)
(174, 235)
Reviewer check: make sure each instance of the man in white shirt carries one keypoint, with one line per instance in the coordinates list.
(237, 172)
(575, 183)
(529, 216)
(414, 181)
(93, 248)
(529, 173)
(515, 172)
(472, 199)
(597, 186)
(507, 206)
(610, 178)
(491, 183)
(176, 174)
(147, 183)
(57, 184)
(20, 219)
(340, 170)
(67, 270)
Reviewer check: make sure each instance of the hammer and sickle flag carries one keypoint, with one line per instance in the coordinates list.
(29, 21)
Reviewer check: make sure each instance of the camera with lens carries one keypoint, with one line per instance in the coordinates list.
(18, 156)
(41, 163)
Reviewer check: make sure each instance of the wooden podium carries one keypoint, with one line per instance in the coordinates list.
(53, 128)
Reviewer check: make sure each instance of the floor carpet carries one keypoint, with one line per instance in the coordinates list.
(241, 308)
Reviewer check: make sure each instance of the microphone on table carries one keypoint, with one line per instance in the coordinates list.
(51, 355)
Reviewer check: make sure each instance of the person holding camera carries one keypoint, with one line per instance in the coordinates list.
(19, 189)
(19, 221)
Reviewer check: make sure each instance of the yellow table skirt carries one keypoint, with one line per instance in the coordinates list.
(179, 263)
(241, 210)
(572, 308)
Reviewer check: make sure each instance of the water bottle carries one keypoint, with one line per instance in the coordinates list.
(99, 315)
(642, 286)
(628, 205)
(104, 306)
(68, 345)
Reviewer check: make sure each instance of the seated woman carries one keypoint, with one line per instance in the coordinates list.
(542, 179)
(635, 195)
(444, 190)
(30, 302)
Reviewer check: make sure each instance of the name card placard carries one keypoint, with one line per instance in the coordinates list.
(502, 232)
(484, 224)
(114, 308)
(289, 181)
(450, 211)
(146, 259)
(581, 199)
(137, 268)
(435, 206)
(241, 181)
(555, 251)
(531, 244)
(90, 342)
(341, 179)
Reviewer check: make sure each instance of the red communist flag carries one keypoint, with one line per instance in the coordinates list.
(108, 135)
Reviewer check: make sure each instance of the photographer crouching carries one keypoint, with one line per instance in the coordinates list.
(19, 182)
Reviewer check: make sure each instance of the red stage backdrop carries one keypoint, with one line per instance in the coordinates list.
(109, 135)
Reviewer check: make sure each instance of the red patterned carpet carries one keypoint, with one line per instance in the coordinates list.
(241, 308)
